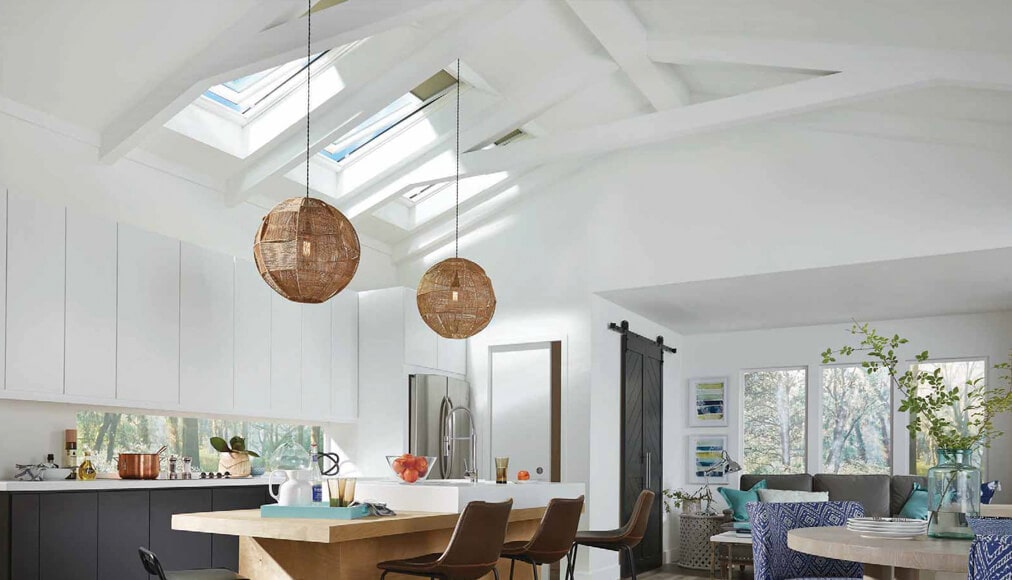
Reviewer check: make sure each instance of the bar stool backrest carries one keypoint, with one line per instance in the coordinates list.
(151, 563)
(478, 537)
(554, 536)
(636, 527)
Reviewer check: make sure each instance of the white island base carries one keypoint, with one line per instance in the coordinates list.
(451, 495)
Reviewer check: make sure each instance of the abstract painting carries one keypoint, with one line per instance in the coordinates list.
(708, 402)
(705, 451)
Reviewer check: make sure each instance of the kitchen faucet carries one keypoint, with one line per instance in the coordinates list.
(470, 471)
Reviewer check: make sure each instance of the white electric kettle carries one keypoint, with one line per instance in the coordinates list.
(292, 491)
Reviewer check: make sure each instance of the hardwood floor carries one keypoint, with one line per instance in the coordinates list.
(672, 572)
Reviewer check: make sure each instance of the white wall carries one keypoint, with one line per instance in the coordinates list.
(966, 336)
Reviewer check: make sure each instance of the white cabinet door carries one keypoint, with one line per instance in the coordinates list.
(344, 350)
(35, 295)
(451, 355)
(206, 347)
(252, 340)
(147, 321)
(419, 339)
(316, 360)
(91, 306)
(286, 353)
(3, 278)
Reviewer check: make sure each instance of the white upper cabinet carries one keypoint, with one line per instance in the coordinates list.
(147, 355)
(286, 356)
(420, 347)
(3, 277)
(344, 356)
(252, 340)
(206, 347)
(91, 306)
(316, 360)
(451, 355)
(35, 295)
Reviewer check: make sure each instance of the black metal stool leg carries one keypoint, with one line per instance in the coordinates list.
(632, 562)
(571, 572)
(535, 568)
(383, 575)
(495, 573)
(512, 563)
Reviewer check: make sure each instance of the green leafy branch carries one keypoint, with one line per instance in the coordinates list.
(234, 445)
(676, 498)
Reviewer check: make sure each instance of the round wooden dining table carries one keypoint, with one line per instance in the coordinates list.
(883, 557)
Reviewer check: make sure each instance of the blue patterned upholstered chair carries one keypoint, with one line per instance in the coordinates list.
(990, 558)
(991, 526)
(775, 561)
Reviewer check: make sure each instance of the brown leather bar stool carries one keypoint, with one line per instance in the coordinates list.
(622, 540)
(154, 567)
(473, 550)
(553, 538)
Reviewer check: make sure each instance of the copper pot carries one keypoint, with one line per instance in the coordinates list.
(139, 465)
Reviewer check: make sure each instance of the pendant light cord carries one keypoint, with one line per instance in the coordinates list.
(456, 205)
(309, 60)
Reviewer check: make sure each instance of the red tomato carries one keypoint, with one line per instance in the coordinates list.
(398, 466)
(422, 465)
(410, 475)
(523, 475)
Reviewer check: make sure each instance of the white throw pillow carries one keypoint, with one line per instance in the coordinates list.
(790, 496)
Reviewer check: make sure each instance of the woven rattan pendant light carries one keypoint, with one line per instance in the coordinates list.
(305, 249)
(455, 297)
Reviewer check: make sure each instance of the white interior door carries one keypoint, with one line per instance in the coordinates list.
(521, 383)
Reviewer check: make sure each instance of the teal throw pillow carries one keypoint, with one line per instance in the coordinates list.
(917, 504)
(737, 499)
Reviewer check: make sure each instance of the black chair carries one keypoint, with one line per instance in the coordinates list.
(153, 566)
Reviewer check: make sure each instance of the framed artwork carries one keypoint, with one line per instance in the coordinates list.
(705, 451)
(708, 402)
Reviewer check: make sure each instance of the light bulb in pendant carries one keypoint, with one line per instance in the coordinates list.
(454, 296)
(307, 248)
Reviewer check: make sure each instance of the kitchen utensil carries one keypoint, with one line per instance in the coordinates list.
(292, 491)
(139, 465)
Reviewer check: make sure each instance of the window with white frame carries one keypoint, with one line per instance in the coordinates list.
(956, 374)
(775, 406)
(856, 428)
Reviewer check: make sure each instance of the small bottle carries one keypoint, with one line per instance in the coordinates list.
(86, 472)
(172, 467)
(70, 449)
(315, 477)
(51, 462)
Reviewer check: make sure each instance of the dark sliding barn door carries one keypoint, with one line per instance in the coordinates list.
(641, 440)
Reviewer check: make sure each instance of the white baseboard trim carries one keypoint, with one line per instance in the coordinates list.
(606, 573)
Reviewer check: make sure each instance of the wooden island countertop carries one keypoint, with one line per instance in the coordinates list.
(294, 548)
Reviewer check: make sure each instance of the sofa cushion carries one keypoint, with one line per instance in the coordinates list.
(900, 488)
(736, 499)
(916, 506)
(792, 496)
(799, 482)
(871, 491)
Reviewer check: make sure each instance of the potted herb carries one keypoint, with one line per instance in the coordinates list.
(234, 458)
(690, 503)
(958, 421)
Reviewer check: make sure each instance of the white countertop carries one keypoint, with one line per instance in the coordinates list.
(453, 495)
(113, 484)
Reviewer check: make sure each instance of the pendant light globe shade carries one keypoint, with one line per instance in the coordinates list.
(456, 299)
(306, 250)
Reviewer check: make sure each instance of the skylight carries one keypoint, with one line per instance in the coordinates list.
(246, 94)
(390, 116)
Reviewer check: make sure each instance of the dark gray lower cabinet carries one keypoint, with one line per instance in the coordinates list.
(122, 528)
(225, 549)
(68, 541)
(179, 550)
(25, 536)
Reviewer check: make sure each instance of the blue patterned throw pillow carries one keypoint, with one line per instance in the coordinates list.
(736, 499)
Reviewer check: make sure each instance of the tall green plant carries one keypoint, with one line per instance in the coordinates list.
(928, 409)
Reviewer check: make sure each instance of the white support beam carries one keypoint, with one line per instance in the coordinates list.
(476, 212)
(522, 106)
(621, 33)
(977, 69)
(773, 103)
(246, 47)
(386, 80)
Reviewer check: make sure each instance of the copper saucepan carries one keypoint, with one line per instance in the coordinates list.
(139, 465)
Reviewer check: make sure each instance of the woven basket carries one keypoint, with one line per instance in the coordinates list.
(455, 298)
(306, 250)
(236, 464)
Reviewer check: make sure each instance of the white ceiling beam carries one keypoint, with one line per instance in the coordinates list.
(621, 33)
(439, 232)
(773, 103)
(979, 69)
(386, 79)
(523, 105)
(246, 47)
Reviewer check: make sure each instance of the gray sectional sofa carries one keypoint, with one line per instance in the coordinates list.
(881, 495)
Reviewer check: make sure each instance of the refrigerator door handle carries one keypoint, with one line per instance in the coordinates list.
(447, 453)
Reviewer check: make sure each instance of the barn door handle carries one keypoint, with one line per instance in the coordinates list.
(650, 460)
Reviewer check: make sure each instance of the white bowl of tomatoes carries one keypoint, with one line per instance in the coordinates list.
(411, 468)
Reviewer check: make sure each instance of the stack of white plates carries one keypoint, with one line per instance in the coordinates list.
(895, 528)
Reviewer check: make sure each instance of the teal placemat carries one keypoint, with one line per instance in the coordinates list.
(316, 512)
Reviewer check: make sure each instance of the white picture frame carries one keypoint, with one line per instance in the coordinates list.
(708, 402)
(704, 451)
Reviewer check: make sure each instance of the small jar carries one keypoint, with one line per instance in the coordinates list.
(187, 469)
(953, 494)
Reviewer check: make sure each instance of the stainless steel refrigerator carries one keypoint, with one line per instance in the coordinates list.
(430, 399)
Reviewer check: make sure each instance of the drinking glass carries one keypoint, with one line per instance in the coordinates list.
(501, 465)
(342, 491)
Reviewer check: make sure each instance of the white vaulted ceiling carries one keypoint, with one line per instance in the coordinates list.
(580, 78)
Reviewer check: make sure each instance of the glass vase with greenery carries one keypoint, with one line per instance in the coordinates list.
(677, 498)
(958, 421)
